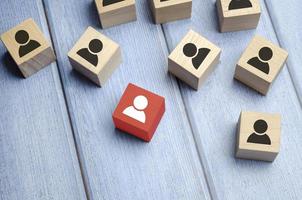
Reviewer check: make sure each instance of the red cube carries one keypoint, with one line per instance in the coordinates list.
(139, 112)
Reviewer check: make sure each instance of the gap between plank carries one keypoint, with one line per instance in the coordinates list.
(209, 182)
(279, 43)
(204, 165)
(86, 188)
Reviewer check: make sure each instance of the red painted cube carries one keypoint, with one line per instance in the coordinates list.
(139, 112)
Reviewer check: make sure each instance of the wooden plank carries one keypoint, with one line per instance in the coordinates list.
(118, 166)
(215, 108)
(286, 17)
(37, 153)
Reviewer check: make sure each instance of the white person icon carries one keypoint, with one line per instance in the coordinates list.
(136, 111)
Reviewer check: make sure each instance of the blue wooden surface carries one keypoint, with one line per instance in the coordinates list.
(219, 104)
(57, 139)
(288, 27)
(118, 166)
(37, 153)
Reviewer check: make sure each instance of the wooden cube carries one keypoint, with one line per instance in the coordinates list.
(170, 10)
(28, 47)
(258, 136)
(95, 56)
(139, 112)
(260, 64)
(114, 12)
(236, 15)
(193, 59)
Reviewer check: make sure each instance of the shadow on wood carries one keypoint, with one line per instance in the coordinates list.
(93, 15)
(242, 86)
(10, 65)
(82, 79)
(128, 137)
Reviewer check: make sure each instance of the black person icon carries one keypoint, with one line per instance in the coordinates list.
(109, 2)
(238, 4)
(190, 50)
(26, 45)
(265, 54)
(259, 136)
(89, 54)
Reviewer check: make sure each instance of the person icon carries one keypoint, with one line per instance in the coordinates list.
(190, 50)
(90, 53)
(238, 4)
(26, 45)
(109, 2)
(136, 111)
(265, 54)
(259, 136)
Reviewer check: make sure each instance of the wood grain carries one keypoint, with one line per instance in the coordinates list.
(286, 17)
(181, 66)
(116, 165)
(253, 77)
(38, 159)
(116, 13)
(34, 60)
(237, 19)
(108, 59)
(214, 110)
(166, 11)
(37, 153)
(248, 146)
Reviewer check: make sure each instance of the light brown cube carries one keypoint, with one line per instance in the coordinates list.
(95, 56)
(258, 136)
(193, 59)
(170, 10)
(236, 15)
(260, 64)
(28, 47)
(114, 12)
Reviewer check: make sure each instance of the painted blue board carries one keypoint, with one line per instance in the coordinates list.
(37, 153)
(286, 18)
(115, 165)
(214, 110)
(45, 165)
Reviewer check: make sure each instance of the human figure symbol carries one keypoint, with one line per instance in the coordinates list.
(136, 111)
(90, 53)
(259, 136)
(109, 2)
(238, 4)
(198, 56)
(26, 45)
(265, 54)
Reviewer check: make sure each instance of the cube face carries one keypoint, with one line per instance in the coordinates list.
(28, 47)
(95, 56)
(115, 12)
(171, 10)
(236, 15)
(260, 64)
(258, 136)
(139, 112)
(193, 59)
